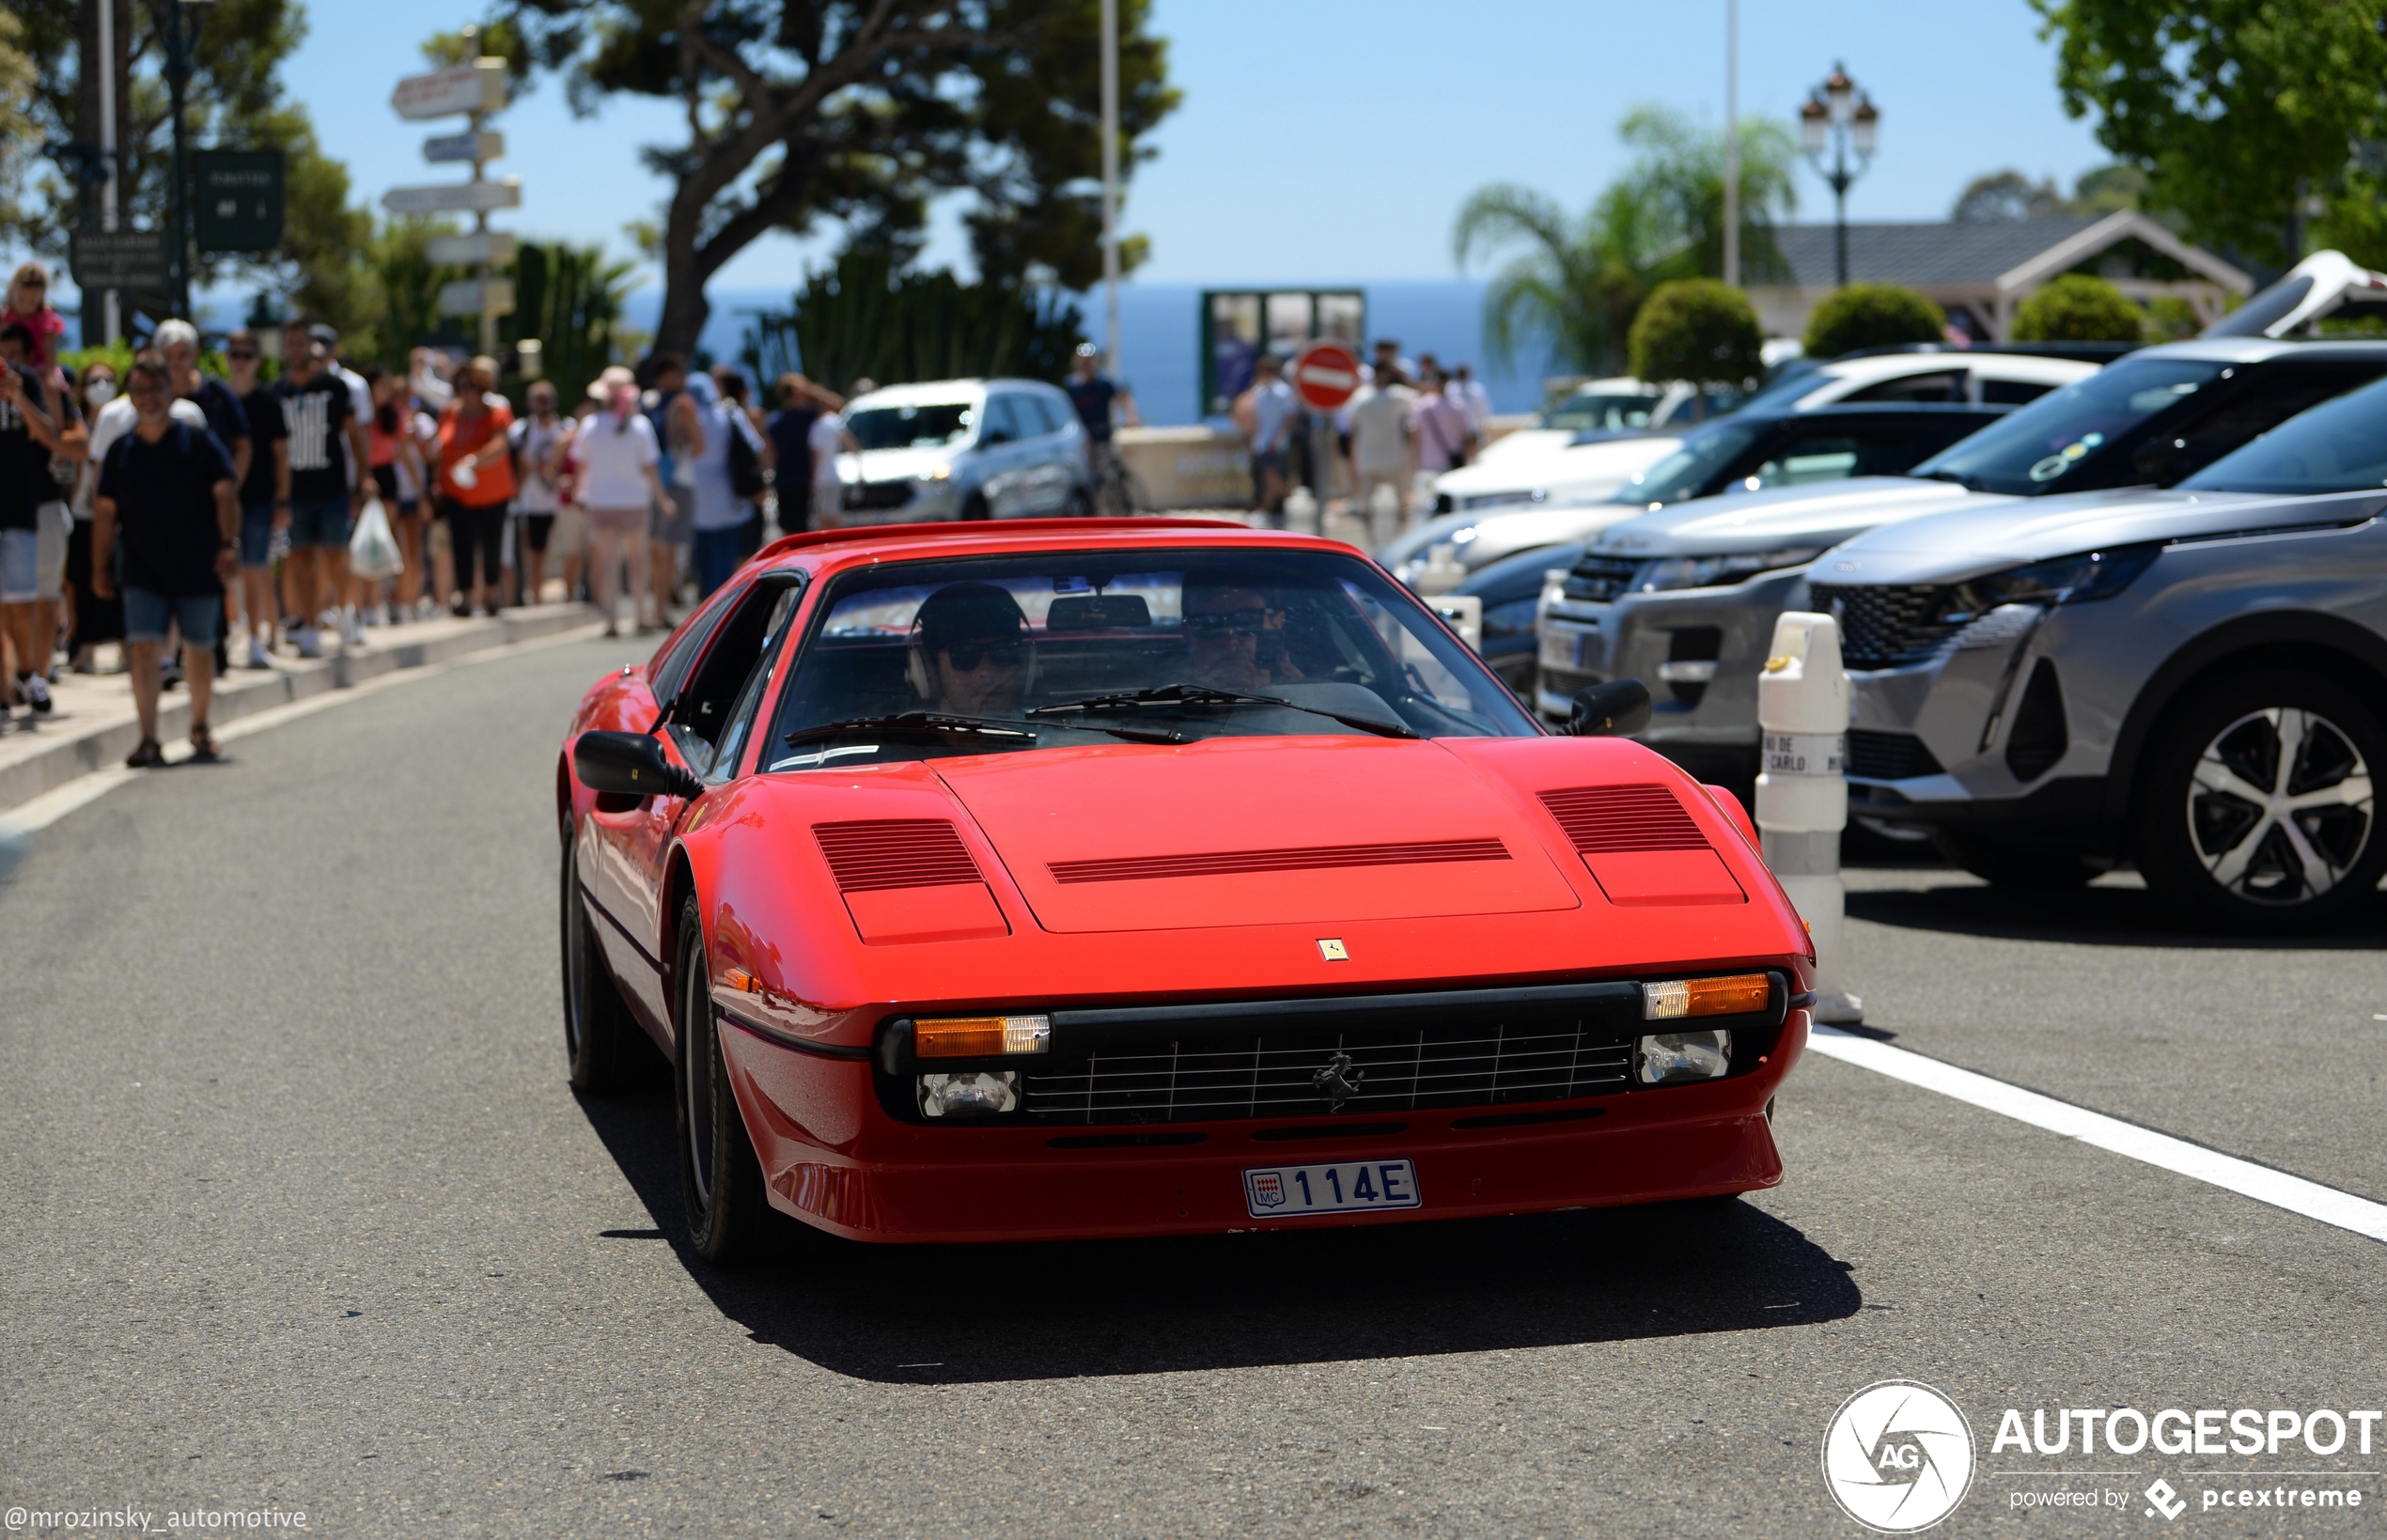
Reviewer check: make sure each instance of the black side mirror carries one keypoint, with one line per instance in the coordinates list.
(629, 765)
(1610, 710)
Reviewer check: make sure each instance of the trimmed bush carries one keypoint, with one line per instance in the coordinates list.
(2078, 308)
(1873, 315)
(1697, 330)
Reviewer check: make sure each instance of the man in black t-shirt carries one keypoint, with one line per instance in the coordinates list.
(265, 492)
(167, 490)
(331, 476)
(28, 437)
(789, 430)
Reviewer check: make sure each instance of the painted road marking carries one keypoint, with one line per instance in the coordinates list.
(2244, 1177)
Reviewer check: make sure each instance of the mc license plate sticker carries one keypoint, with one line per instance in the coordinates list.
(1271, 1191)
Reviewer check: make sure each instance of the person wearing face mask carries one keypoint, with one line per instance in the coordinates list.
(89, 618)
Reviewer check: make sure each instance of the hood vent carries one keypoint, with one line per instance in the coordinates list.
(1308, 858)
(1604, 820)
(877, 854)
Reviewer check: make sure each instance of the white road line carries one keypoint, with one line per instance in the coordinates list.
(42, 811)
(2244, 1177)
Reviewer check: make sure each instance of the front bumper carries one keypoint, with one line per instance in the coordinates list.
(834, 1156)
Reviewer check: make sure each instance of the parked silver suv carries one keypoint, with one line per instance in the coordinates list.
(1686, 597)
(963, 449)
(2192, 679)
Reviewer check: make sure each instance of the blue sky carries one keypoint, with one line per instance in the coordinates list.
(1332, 140)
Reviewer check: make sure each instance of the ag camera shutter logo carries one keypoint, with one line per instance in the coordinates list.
(1898, 1456)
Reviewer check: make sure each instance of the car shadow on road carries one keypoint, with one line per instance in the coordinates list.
(2092, 916)
(937, 1314)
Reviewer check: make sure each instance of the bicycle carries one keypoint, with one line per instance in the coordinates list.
(1116, 492)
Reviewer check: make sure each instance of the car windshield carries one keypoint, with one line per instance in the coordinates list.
(1593, 410)
(1704, 453)
(2339, 446)
(920, 425)
(1796, 379)
(2042, 447)
(924, 660)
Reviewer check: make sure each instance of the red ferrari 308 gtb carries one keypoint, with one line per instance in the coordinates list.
(1088, 877)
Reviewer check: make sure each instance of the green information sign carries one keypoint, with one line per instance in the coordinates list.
(237, 199)
(1239, 324)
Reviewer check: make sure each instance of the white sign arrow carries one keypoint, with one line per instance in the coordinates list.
(477, 297)
(463, 196)
(478, 86)
(486, 145)
(464, 251)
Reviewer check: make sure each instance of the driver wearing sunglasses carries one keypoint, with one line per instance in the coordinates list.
(972, 654)
(1236, 638)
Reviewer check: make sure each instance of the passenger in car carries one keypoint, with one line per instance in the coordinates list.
(972, 653)
(1235, 637)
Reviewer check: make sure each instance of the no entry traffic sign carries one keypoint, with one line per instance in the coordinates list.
(1326, 375)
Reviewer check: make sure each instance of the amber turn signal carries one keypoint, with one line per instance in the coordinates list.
(981, 1036)
(1738, 995)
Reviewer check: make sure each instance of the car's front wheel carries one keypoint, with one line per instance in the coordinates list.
(2255, 809)
(602, 1043)
(720, 1179)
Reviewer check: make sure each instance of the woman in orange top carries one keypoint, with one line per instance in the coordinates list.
(475, 479)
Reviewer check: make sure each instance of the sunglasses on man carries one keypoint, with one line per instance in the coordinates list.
(1215, 623)
(965, 656)
(240, 355)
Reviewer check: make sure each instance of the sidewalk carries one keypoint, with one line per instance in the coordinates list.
(93, 726)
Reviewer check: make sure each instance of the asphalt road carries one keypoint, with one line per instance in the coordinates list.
(297, 1212)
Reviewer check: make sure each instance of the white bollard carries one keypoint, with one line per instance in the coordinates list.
(1443, 570)
(1802, 790)
(1464, 614)
(1383, 515)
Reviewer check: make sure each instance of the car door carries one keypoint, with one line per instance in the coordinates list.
(633, 837)
(2212, 428)
(1833, 450)
(1001, 456)
(1052, 468)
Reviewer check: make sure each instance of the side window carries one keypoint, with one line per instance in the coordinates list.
(718, 684)
(1037, 412)
(2247, 413)
(1811, 457)
(671, 662)
(1998, 393)
(1947, 385)
(1002, 421)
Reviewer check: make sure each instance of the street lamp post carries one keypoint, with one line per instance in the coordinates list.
(1843, 120)
(180, 37)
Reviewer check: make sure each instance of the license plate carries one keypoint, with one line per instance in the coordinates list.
(1272, 1190)
(1569, 650)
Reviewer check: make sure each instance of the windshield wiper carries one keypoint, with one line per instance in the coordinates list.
(937, 726)
(1202, 694)
(916, 724)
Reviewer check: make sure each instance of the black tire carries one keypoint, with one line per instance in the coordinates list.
(2212, 839)
(1081, 504)
(2021, 863)
(720, 1179)
(602, 1042)
(975, 508)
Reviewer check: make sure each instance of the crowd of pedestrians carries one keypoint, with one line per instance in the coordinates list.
(1408, 418)
(200, 522)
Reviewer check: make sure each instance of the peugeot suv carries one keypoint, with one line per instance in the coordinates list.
(1686, 597)
(2192, 679)
(963, 449)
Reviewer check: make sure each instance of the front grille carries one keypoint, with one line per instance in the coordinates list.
(1296, 1074)
(1886, 624)
(1889, 756)
(1600, 579)
(878, 494)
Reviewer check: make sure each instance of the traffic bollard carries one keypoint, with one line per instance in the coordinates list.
(1802, 790)
(1302, 511)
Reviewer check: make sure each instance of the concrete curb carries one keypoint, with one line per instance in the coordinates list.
(105, 742)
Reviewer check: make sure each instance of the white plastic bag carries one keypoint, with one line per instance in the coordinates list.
(372, 550)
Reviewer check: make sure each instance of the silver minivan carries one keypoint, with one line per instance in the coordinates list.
(963, 449)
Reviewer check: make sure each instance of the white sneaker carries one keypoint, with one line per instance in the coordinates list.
(351, 630)
(310, 642)
(257, 654)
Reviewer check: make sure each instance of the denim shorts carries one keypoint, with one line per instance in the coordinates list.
(20, 565)
(320, 522)
(256, 534)
(146, 614)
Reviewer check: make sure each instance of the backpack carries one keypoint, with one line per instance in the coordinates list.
(745, 460)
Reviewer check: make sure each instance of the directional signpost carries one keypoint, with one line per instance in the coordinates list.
(136, 261)
(474, 89)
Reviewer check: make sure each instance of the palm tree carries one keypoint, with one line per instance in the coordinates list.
(1579, 283)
